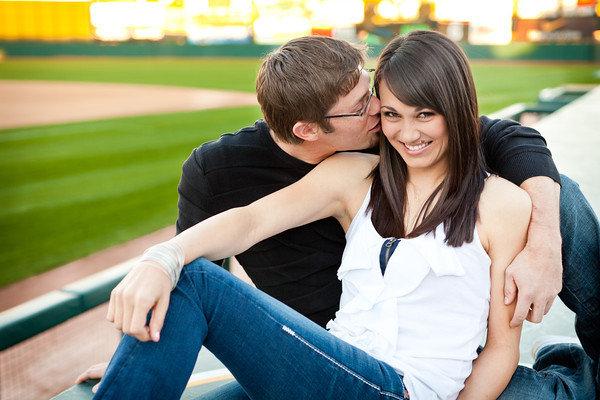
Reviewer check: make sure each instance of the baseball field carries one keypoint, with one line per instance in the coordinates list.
(73, 189)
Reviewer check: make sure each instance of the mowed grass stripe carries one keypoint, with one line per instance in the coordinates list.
(83, 187)
(77, 192)
(499, 86)
(208, 73)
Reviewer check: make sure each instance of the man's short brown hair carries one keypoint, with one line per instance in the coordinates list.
(303, 79)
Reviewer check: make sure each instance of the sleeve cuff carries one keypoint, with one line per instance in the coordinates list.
(528, 164)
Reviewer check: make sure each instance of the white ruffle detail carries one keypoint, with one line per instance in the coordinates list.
(407, 267)
(379, 339)
(442, 258)
(368, 315)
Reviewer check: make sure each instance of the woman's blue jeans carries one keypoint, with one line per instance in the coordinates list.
(273, 351)
(244, 328)
(561, 372)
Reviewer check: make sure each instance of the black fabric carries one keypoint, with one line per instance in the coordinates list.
(299, 266)
(515, 152)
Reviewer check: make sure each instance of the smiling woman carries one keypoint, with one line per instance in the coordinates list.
(419, 134)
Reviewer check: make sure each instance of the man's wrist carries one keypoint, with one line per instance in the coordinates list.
(543, 237)
(544, 227)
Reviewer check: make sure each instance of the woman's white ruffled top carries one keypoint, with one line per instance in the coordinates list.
(425, 316)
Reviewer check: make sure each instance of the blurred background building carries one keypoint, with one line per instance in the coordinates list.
(276, 21)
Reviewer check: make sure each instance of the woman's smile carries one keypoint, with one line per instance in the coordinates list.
(416, 148)
(418, 133)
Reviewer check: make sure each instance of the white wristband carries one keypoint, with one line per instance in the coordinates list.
(170, 258)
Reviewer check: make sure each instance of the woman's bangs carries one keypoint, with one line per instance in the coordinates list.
(410, 84)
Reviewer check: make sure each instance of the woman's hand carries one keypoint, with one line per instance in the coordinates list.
(94, 372)
(144, 288)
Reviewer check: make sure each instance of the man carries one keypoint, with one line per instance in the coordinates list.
(316, 100)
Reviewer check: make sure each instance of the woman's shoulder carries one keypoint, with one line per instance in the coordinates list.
(503, 206)
(501, 193)
(353, 158)
(353, 165)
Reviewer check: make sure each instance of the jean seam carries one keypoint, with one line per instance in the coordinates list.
(288, 330)
(339, 364)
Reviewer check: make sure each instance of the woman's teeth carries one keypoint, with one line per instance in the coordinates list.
(417, 147)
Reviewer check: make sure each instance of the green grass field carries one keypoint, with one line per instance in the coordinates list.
(211, 73)
(70, 190)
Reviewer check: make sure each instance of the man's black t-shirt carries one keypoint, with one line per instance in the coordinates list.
(299, 266)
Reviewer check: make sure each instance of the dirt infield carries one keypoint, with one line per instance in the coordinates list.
(32, 103)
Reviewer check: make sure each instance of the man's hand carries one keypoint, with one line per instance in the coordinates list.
(94, 372)
(534, 278)
(144, 288)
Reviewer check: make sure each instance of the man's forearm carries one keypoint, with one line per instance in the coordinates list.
(534, 277)
(544, 229)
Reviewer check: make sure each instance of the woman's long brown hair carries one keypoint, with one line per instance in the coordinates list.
(426, 69)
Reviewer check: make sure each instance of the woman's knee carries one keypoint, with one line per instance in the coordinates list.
(199, 264)
(198, 268)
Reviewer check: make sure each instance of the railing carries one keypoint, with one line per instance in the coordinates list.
(35, 316)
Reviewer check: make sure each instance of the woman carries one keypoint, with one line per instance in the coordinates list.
(428, 240)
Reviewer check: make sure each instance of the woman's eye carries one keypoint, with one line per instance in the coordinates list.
(390, 115)
(425, 115)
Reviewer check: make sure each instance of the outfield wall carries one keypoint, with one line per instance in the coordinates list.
(589, 52)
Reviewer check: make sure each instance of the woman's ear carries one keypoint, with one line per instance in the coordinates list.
(307, 131)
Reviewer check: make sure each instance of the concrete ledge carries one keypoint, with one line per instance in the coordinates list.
(95, 290)
(35, 316)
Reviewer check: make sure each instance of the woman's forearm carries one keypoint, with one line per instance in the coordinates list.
(492, 371)
(320, 194)
(217, 237)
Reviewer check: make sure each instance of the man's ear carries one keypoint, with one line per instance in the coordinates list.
(307, 131)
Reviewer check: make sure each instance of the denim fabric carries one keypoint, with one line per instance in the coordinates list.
(581, 262)
(561, 371)
(273, 351)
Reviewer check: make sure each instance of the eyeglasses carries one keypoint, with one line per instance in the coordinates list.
(363, 111)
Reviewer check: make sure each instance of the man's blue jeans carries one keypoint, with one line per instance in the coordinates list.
(273, 351)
